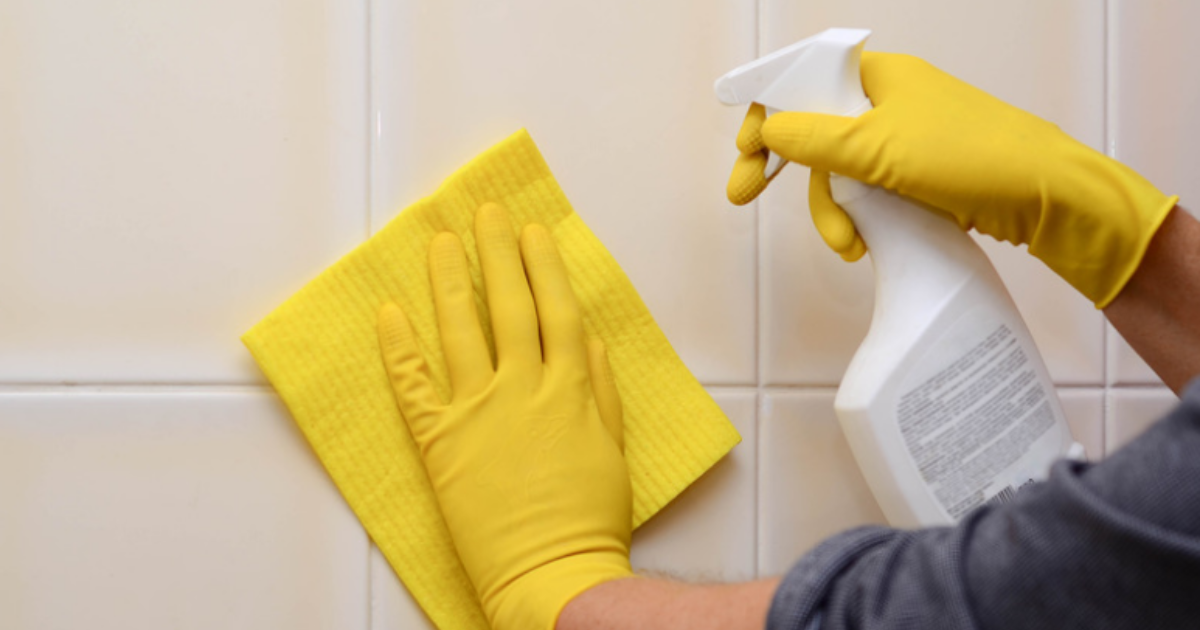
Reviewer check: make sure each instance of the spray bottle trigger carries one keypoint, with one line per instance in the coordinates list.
(817, 74)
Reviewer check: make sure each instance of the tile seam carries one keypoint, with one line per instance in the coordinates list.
(369, 70)
(754, 513)
(759, 292)
(759, 295)
(1106, 137)
(132, 388)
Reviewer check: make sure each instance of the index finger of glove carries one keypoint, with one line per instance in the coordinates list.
(749, 138)
(748, 180)
(823, 142)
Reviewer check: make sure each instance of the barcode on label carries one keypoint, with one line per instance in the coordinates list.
(1004, 496)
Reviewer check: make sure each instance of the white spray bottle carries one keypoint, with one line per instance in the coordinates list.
(947, 404)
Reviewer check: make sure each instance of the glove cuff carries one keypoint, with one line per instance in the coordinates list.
(1096, 226)
(1150, 225)
(535, 600)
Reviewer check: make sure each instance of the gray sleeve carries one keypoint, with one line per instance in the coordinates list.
(1104, 546)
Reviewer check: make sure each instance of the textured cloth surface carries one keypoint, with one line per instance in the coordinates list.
(1107, 546)
(321, 353)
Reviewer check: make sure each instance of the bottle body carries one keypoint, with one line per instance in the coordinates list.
(947, 404)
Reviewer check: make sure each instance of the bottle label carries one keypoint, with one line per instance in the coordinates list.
(968, 422)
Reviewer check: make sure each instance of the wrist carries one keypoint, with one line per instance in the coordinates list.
(651, 604)
(534, 600)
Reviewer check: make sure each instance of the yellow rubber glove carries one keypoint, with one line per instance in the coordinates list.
(991, 166)
(527, 457)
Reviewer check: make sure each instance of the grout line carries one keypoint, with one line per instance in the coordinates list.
(214, 387)
(1105, 403)
(370, 105)
(758, 210)
(370, 586)
(370, 190)
(756, 513)
(759, 296)
(726, 388)
(1105, 355)
(730, 389)
(133, 388)
(1110, 92)
(759, 17)
(1107, 138)
(1074, 387)
(783, 389)
(1138, 387)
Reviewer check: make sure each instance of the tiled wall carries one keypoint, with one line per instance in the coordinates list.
(170, 171)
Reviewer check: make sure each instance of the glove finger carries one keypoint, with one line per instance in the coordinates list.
(604, 387)
(856, 251)
(557, 309)
(833, 224)
(510, 304)
(407, 370)
(749, 138)
(747, 180)
(834, 144)
(467, 356)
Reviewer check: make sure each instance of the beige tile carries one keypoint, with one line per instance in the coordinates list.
(1153, 121)
(816, 308)
(1133, 410)
(1125, 367)
(179, 510)
(171, 172)
(618, 95)
(1067, 328)
(1084, 408)
(1047, 57)
(809, 484)
(392, 607)
(707, 534)
(1154, 126)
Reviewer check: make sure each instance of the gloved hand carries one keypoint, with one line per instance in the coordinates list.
(527, 457)
(991, 166)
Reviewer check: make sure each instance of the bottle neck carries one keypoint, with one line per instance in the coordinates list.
(921, 258)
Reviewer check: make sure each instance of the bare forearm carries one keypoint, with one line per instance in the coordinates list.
(1158, 312)
(643, 603)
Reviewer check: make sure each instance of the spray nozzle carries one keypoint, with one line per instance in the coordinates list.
(818, 74)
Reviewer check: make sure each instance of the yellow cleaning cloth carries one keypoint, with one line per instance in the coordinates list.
(320, 352)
